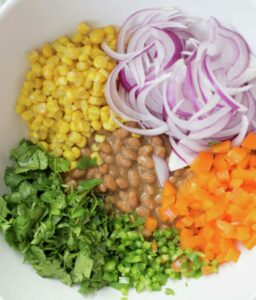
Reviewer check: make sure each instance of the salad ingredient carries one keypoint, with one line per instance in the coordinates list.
(199, 91)
(129, 169)
(67, 234)
(215, 205)
(61, 232)
(62, 99)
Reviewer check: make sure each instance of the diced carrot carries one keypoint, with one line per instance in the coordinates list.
(214, 183)
(221, 147)
(151, 224)
(236, 213)
(206, 270)
(236, 155)
(250, 141)
(252, 162)
(203, 163)
(244, 162)
(176, 266)
(220, 163)
(246, 175)
(242, 233)
(251, 242)
(250, 218)
(223, 176)
(168, 189)
(227, 229)
(232, 254)
(167, 200)
(207, 232)
(235, 183)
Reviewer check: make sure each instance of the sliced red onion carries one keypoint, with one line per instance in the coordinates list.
(162, 170)
(192, 80)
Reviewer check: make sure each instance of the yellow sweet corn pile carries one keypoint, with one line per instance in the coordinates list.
(62, 98)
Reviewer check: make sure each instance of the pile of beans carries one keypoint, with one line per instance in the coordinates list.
(127, 171)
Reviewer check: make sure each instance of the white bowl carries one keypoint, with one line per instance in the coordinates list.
(25, 24)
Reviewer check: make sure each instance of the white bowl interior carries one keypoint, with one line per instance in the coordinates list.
(25, 24)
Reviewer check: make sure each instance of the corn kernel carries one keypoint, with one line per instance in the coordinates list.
(33, 56)
(77, 38)
(48, 87)
(98, 158)
(72, 53)
(66, 60)
(104, 116)
(110, 66)
(53, 61)
(19, 108)
(91, 75)
(57, 151)
(42, 134)
(47, 72)
(71, 76)
(44, 145)
(82, 142)
(86, 50)
(108, 126)
(110, 30)
(97, 36)
(64, 127)
(27, 115)
(76, 152)
(94, 113)
(75, 137)
(47, 51)
(135, 135)
(34, 137)
(99, 138)
(61, 81)
(76, 115)
(30, 76)
(69, 155)
(36, 68)
(95, 147)
(73, 165)
(84, 105)
(86, 41)
(81, 66)
(63, 40)
(83, 28)
(41, 60)
(52, 106)
(61, 137)
(97, 52)
(48, 123)
(96, 101)
(100, 61)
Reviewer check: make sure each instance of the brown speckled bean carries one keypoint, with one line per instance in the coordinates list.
(132, 198)
(85, 152)
(149, 190)
(133, 143)
(121, 133)
(91, 173)
(129, 153)
(116, 145)
(148, 177)
(123, 161)
(122, 183)
(110, 183)
(103, 169)
(133, 177)
(113, 170)
(123, 206)
(147, 201)
(143, 211)
(146, 162)
(105, 148)
(145, 150)
(108, 158)
(77, 174)
(103, 188)
(160, 151)
(156, 141)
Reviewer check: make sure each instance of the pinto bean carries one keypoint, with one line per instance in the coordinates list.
(77, 174)
(123, 206)
(132, 198)
(147, 201)
(145, 161)
(110, 183)
(122, 183)
(123, 161)
(108, 158)
(129, 153)
(156, 141)
(133, 177)
(133, 143)
(145, 150)
(85, 152)
(121, 133)
(143, 211)
(114, 170)
(158, 199)
(148, 177)
(160, 151)
(105, 148)
(149, 189)
(116, 145)
(91, 173)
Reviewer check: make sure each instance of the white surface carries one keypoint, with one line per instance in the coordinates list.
(25, 24)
